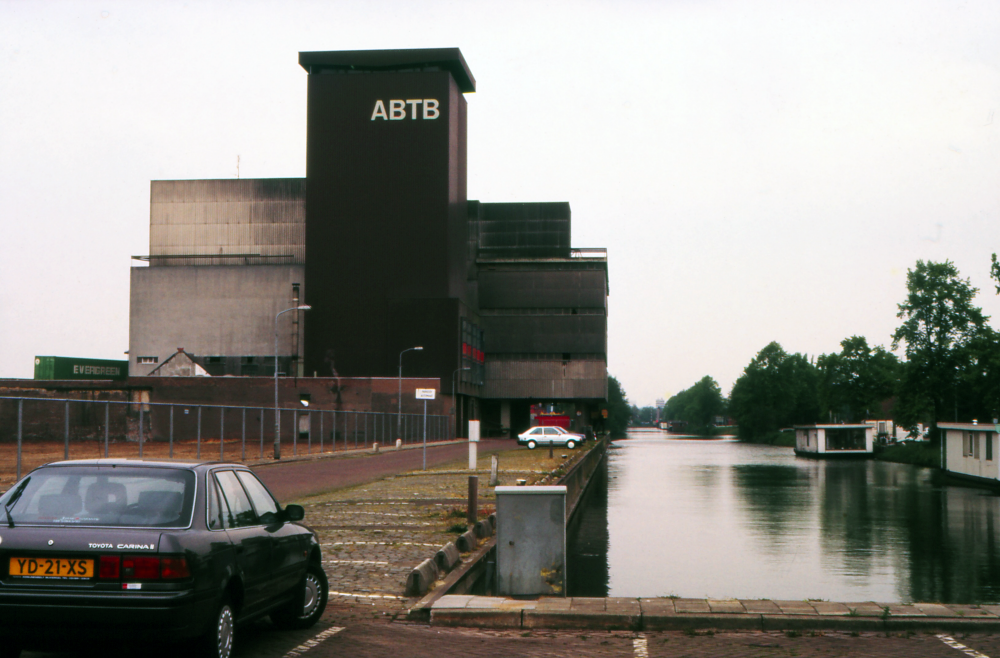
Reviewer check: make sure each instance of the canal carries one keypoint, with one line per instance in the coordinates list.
(723, 519)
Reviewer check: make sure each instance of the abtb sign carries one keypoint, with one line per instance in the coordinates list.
(415, 108)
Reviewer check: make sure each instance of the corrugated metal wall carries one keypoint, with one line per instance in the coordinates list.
(546, 379)
(228, 222)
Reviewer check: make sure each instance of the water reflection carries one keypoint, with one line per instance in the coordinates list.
(720, 519)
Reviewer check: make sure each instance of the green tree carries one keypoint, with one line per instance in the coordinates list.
(697, 406)
(619, 411)
(854, 381)
(940, 325)
(776, 390)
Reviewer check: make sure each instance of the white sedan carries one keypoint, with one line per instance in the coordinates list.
(549, 435)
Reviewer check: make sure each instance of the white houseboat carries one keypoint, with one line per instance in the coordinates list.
(969, 450)
(825, 441)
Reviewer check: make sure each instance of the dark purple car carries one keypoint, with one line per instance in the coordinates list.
(157, 551)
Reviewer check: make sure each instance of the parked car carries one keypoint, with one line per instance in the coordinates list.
(549, 435)
(157, 551)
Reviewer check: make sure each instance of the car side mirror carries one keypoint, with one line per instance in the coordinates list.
(294, 512)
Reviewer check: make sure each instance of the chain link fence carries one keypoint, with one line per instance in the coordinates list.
(35, 431)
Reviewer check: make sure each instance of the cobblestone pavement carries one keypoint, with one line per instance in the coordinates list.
(373, 535)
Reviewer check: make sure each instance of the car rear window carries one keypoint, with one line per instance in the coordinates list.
(113, 496)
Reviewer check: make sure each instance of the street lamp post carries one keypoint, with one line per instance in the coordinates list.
(277, 412)
(399, 409)
(454, 403)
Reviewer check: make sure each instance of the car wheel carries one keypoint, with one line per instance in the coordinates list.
(532, 445)
(570, 444)
(305, 611)
(217, 642)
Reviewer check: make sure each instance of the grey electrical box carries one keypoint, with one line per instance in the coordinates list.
(531, 541)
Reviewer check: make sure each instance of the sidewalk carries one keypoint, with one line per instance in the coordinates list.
(664, 614)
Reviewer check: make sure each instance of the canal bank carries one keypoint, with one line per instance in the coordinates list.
(477, 572)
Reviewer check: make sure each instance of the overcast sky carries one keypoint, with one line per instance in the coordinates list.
(758, 171)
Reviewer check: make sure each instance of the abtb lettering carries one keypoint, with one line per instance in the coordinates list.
(427, 108)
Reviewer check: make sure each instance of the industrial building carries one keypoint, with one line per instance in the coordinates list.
(382, 242)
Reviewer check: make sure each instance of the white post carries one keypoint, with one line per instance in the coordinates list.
(473, 443)
(425, 435)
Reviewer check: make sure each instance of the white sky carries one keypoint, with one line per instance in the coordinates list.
(758, 171)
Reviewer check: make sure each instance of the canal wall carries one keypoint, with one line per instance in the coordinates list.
(580, 475)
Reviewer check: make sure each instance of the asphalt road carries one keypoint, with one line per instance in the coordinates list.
(299, 479)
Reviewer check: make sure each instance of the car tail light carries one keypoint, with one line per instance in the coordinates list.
(109, 567)
(141, 568)
(172, 568)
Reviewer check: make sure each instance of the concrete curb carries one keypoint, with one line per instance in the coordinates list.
(664, 615)
(604, 621)
(480, 618)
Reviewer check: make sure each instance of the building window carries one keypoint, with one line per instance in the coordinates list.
(213, 359)
(147, 359)
(989, 446)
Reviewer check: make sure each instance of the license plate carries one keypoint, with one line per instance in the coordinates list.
(37, 567)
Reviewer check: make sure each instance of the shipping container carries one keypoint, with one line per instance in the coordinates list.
(68, 367)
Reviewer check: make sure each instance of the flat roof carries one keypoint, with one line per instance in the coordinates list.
(833, 426)
(448, 59)
(974, 427)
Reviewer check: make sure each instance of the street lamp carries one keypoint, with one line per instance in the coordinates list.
(454, 376)
(399, 410)
(277, 412)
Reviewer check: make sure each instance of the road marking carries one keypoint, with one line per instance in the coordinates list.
(353, 562)
(639, 647)
(309, 644)
(951, 642)
(369, 596)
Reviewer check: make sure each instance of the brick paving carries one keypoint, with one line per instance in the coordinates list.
(395, 640)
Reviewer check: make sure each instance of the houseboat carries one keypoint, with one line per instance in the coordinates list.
(828, 441)
(969, 451)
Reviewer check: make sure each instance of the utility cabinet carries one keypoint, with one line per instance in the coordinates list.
(531, 541)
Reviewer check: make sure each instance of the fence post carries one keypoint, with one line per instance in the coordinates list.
(262, 433)
(107, 421)
(171, 431)
(198, 435)
(66, 433)
(295, 433)
(345, 430)
(222, 433)
(309, 448)
(366, 429)
(355, 430)
(243, 436)
(141, 418)
(20, 413)
(321, 432)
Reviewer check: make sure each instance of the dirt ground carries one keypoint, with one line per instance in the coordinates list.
(35, 453)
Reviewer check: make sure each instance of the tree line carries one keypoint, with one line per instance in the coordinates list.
(950, 371)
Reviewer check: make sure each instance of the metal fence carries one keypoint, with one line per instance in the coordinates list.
(52, 428)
